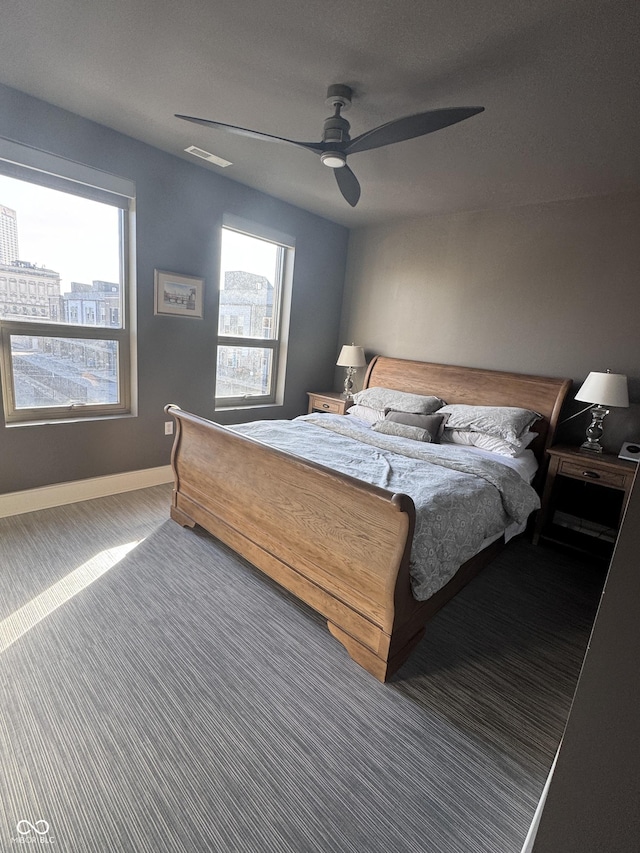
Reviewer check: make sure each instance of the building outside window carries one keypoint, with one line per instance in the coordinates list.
(65, 322)
(255, 284)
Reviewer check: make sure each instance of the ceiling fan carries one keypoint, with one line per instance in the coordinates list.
(336, 143)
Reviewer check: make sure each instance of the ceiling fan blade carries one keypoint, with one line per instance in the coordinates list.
(348, 184)
(316, 147)
(409, 127)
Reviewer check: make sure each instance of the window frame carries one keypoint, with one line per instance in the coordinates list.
(39, 167)
(277, 344)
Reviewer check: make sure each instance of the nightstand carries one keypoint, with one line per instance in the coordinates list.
(328, 401)
(586, 488)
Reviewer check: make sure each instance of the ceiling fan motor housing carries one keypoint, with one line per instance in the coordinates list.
(335, 134)
(336, 129)
(334, 138)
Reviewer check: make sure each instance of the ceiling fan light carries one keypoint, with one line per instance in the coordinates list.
(333, 159)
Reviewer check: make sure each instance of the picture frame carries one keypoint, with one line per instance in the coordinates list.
(178, 295)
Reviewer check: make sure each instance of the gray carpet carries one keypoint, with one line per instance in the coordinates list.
(179, 701)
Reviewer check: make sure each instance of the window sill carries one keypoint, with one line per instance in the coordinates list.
(236, 407)
(56, 421)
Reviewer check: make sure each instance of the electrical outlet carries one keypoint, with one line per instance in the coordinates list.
(168, 427)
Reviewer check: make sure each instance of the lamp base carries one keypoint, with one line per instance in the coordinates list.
(348, 383)
(594, 431)
(592, 446)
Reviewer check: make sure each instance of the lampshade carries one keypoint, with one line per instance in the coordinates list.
(351, 356)
(605, 389)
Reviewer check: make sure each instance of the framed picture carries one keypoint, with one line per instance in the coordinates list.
(178, 295)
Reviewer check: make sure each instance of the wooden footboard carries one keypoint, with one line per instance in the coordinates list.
(337, 543)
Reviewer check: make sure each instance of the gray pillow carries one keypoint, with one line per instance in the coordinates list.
(507, 422)
(434, 424)
(402, 430)
(399, 401)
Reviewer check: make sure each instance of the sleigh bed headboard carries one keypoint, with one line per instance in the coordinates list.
(476, 387)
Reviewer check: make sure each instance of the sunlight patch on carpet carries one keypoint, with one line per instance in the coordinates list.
(27, 616)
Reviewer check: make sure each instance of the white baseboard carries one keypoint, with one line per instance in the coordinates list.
(15, 503)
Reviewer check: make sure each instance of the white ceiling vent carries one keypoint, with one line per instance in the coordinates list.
(206, 155)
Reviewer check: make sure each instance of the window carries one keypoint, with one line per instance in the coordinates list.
(255, 283)
(65, 329)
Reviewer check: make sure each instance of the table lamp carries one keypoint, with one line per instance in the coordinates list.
(350, 357)
(603, 390)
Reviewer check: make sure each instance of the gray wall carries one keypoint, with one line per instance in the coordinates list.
(179, 210)
(551, 289)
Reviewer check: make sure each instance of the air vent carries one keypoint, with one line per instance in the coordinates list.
(206, 155)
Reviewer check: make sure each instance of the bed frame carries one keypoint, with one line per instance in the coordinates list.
(339, 544)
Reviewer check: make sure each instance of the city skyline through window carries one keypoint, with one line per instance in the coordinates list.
(73, 236)
(243, 252)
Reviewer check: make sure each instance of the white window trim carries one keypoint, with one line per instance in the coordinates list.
(123, 189)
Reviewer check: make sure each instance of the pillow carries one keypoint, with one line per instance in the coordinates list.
(366, 413)
(507, 422)
(489, 442)
(434, 424)
(402, 430)
(399, 401)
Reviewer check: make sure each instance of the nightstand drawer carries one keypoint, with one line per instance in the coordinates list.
(592, 474)
(328, 401)
(328, 405)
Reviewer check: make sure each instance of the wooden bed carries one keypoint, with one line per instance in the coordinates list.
(337, 543)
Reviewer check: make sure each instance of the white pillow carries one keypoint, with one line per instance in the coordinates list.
(366, 413)
(398, 401)
(489, 442)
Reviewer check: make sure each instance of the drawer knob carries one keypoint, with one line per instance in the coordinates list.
(591, 474)
(325, 405)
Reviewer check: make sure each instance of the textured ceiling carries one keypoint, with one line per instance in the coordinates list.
(558, 80)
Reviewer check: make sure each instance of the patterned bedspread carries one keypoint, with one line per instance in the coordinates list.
(461, 499)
